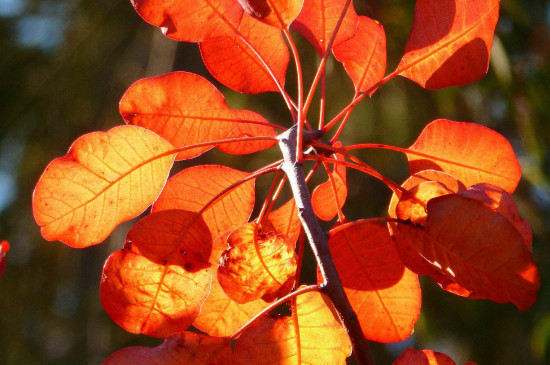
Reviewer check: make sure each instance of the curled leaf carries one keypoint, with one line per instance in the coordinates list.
(106, 178)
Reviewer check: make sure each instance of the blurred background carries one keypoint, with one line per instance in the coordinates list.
(64, 64)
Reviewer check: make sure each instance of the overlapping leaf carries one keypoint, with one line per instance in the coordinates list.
(330, 196)
(183, 349)
(182, 107)
(284, 220)
(450, 42)
(236, 63)
(191, 20)
(364, 55)
(470, 152)
(278, 13)
(106, 178)
(156, 284)
(312, 335)
(479, 249)
(195, 187)
(220, 315)
(423, 357)
(251, 125)
(384, 294)
(318, 19)
(257, 265)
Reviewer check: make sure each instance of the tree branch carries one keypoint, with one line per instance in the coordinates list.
(319, 244)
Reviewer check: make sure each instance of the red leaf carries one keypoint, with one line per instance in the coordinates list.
(450, 42)
(383, 293)
(317, 22)
(186, 348)
(182, 107)
(4, 248)
(257, 265)
(191, 20)
(284, 220)
(470, 152)
(364, 55)
(105, 179)
(235, 64)
(251, 125)
(278, 13)
(191, 189)
(156, 284)
(423, 357)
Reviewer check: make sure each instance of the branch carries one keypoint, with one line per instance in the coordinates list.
(319, 244)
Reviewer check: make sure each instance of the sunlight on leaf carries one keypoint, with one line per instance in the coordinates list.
(105, 179)
(284, 220)
(450, 42)
(277, 13)
(4, 248)
(423, 357)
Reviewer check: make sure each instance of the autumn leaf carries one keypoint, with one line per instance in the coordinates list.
(284, 220)
(220, 315)
(250, 125)
(312, 335)
(470, 152)
(190, 20)
(257, 265)
(106, 178)
(234, 59)
(156, 284)
(182, 349)
(182, 107)
(384, 294)
(423, 357)
(450, 42)
(364, 55)
(193, 188)
(277, 13)
(4, 248)
(318, 19)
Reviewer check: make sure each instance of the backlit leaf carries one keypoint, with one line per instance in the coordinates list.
(156, 284)
(257, 265)
(191, 189)
(191, 20)
(364, 55)
(470, 152)
(247, 128)
(278, 13)
(423, 357)
(106, 178)
(4, 248)
(234, 63)
(284, 220)
(450, 42)
(183, 349)
(384, 294)
(182, 107)
(317, 22)
(312, 335)
(220, 315)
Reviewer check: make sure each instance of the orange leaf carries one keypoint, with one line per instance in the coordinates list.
(182, 107)
(284, 220)
(257, 265)
(251, 125)
(449, 46)
(4, 248)
(106, 178)
(191, 189)
(477, 248)
(330, 196)
(383, 293)
(190, 20)
(220, 315)
(472, 153)
(312, 335)
(317, 22)
(184, 349)
(423, 357)
(278, 13)
(364, 55)
(156, 284)
(235, 64)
